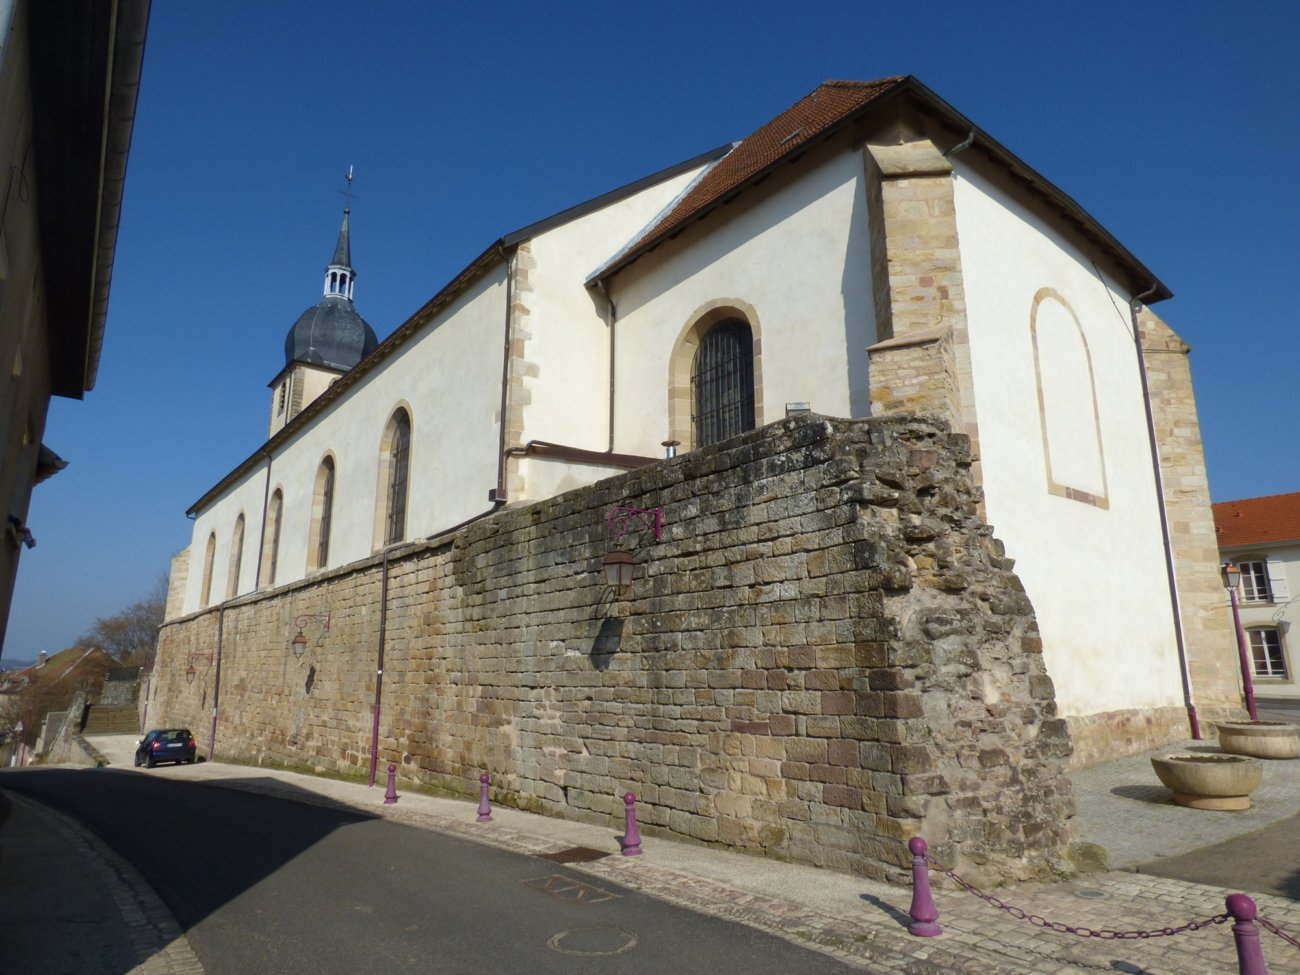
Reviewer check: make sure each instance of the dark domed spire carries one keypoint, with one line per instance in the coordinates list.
(331, 333)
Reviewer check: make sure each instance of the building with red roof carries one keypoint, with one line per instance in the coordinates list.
(1262, 537)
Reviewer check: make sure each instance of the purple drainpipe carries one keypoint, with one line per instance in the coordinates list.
(379, 670)
(216, 683)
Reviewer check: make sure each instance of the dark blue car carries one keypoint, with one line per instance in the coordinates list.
(165, 745)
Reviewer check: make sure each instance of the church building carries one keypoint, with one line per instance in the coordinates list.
(868, 251)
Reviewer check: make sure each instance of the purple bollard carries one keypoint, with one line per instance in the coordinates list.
(631, 841)
(1250, 953)
(390, 797)
(484, 810)
(924, 914)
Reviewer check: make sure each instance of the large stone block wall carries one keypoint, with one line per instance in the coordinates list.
(825, 654)
(1203, 604)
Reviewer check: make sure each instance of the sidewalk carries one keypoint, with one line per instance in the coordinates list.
(864, 923)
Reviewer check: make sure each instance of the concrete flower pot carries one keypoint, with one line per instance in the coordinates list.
(1262, 739)
(1203, 781)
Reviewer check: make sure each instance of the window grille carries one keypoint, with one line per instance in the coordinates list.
(399, 460)
(722, 383)
(326, 509)
(1266, 653)
(236, 558)
(277, 507)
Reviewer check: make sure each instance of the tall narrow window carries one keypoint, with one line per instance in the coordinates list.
(236, 558)
(1266, 653)
(271, 538)
(1254, 582)
(322, 510)
(398, 444)
(722, 383)
(206, 595)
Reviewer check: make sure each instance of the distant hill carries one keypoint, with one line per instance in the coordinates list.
(8, 664)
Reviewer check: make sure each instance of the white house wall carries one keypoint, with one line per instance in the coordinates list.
(448, 376)
(568, 344)
(1281, 611)
(1093, 565)
(798, 256)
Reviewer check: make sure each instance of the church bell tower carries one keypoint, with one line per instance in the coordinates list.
(327, 340)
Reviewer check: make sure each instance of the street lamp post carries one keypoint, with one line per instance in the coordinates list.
(1231, 577)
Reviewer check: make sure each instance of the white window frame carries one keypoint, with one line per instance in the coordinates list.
(1272, 657)
(1254, 581)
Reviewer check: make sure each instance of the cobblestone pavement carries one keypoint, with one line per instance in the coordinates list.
(864, 923)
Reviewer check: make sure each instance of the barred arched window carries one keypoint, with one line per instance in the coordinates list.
(209, 556)
(394, 466)
(271, 538)
(236, 557)
(322, 512)
(722, 383)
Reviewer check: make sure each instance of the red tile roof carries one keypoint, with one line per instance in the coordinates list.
(1257, 521)
(786, 135)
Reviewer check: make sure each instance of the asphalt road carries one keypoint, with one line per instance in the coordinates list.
(265, 884)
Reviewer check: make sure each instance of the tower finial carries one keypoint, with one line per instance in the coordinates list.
(347, 193)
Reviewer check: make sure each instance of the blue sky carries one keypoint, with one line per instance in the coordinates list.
(1172, 123)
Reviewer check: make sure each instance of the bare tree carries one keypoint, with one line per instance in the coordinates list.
(132, 634)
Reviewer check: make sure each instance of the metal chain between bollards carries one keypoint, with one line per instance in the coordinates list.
(1106, 934)
(1278, 931)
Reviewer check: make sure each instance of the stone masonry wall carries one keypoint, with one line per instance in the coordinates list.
(1207, 622)
(825, 654)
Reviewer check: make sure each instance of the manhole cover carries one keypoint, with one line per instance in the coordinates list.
(1091, 893)
(574, 854)
(566, 888)
(593, 941)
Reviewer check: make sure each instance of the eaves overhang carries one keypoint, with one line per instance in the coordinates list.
(498, 251)
(86, 60)
(1141, 279)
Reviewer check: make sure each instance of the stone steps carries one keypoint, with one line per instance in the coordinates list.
(104, 719)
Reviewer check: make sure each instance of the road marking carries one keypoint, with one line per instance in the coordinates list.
(593, 936)
(566, 888)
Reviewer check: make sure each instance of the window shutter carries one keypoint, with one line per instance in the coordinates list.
(1277, 581)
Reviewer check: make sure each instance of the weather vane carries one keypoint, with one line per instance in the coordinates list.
(348, 195)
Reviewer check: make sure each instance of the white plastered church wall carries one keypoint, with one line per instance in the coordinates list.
(448, 376)
(798, 256)
(219, 518)
(568, 328)
(1094, 572)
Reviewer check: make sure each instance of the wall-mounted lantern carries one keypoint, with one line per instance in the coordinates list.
(189, 674)
(299, 642)
(619, 568)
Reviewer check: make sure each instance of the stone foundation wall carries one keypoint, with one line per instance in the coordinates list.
(825, 654)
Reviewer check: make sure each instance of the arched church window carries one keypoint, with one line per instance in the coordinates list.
(271, 538)
(322, 511)
(206, 595)
(722, 383)
(236, 558)
(394, 466)
(334, 282)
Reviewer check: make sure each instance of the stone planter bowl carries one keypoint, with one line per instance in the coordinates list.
(1203, 781)
(1261, 739)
